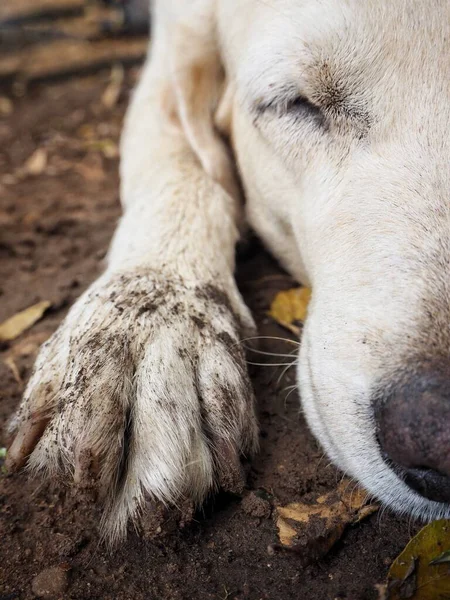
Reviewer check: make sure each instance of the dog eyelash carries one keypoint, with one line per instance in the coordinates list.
(303, 107)
(298, 107)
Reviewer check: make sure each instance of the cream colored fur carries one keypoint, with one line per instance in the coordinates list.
(146, 377)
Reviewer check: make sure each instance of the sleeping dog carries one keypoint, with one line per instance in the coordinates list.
(335, 113)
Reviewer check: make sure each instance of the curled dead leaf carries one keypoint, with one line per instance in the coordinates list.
(314, 528)
(290, 307)
(17, 324)
(421, 571)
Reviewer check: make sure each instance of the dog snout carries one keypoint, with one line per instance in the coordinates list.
(413, 426)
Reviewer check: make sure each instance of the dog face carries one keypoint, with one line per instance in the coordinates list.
(339, 118)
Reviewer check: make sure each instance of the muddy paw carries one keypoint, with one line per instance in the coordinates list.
(144, 391)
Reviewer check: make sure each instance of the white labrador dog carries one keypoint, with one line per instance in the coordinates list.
(338, 113)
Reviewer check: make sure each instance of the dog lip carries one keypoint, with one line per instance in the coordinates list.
(429, 483)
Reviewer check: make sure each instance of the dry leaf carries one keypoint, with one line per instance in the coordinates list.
(27, 346)
(111, 94)
(6, 106)
(314, 528)
(91, 172)
(86, 131)
(421, 571)
(9, 179)
(10, 363)
(382, 591)
(107, 147)
(14, 326)
(290, 307)
(37, 162)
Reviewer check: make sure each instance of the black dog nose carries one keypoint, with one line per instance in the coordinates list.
(413, 426)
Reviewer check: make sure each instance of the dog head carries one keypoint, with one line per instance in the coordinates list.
(338, 117)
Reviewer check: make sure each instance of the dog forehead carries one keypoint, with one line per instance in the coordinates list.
(268, 43)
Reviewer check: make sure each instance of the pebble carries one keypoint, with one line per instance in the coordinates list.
(255, 506)
(50, 583)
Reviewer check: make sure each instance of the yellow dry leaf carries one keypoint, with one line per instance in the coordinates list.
(37, 162)
(14, 326)
(91, 171)
(6, 106)
(112, 92)
(86, 131)
(29, 344)
(10, 363)
(107, 147)
(422, 570)
(290, 307)
(315, 528)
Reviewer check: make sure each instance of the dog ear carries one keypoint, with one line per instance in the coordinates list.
(199, 85)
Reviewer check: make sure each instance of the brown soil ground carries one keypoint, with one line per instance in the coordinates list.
(55, 229)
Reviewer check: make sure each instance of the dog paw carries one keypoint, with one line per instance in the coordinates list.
(144, 390)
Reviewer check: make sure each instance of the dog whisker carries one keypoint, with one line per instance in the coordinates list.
(269, 337)
(292, 388)
(269, 353)
(273, 365)
(285, 370)
(319, 462)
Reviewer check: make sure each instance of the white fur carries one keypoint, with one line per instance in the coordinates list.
(359, 210)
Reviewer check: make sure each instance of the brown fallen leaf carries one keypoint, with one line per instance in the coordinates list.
(26, 347)
(37, 162)
(14, 326)
(6, 106)
(314, 528)
(92, 171)
(86, 131)
(29, 344)
(112, 92)
(10, 363)
(290, 307)
(421, 572)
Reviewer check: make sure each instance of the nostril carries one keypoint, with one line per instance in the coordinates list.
(413, 429)
(429, 484)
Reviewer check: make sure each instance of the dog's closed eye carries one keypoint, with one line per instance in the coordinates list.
(281, 104)
(322, 112)
(296, 106)
(300, 107)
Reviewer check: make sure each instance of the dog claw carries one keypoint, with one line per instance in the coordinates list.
(24, 442)
(230, 474)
